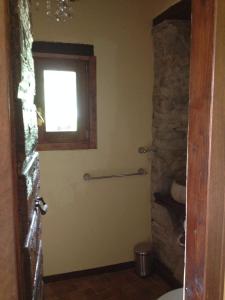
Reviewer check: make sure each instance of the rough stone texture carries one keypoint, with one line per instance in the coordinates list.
(170, 121)
(25, 133)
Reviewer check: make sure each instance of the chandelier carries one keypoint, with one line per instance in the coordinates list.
(61, 10)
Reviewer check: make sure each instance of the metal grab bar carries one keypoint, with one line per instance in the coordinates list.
(140, 172)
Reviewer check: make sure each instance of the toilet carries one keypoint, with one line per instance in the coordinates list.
(173, 295)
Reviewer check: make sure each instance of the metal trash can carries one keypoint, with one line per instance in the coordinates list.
(143, 259)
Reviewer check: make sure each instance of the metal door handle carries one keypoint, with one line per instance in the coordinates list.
(41, 205)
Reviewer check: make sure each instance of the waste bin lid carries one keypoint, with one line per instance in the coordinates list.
(143, 248)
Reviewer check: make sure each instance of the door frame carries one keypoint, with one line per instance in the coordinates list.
(205, 238)
(205, 241)
(9, 278)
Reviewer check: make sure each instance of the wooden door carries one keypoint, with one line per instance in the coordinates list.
(8, 244)
(26, 160)
(205, 251)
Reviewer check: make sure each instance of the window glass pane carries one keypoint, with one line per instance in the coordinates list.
(60, 97)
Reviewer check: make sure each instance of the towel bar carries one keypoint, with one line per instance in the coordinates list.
(140, 172)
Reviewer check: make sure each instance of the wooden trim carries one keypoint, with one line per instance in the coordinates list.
(158, 268)
(204, 274)
(215, 268)
(86, 136)
(64, 146)
(63, 48)
(92, 99)
(61, 56)
(8, 247)
(64, 138)
(179, 11)
(95, 271)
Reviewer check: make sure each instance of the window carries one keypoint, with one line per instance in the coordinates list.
(65, 96)
(60, 94)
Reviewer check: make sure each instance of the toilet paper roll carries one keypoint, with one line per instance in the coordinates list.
(178, 192)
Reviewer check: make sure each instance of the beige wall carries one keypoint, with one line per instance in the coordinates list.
(97, 223)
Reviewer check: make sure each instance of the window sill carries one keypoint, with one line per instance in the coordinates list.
(65, 146)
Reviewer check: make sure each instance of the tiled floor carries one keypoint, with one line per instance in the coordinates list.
(121, 285)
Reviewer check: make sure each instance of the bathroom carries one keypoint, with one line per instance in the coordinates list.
(108, 160)
(95, 224)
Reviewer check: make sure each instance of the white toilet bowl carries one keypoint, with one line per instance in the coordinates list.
(173, 295)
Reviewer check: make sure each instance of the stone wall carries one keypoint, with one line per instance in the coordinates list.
(170, 122)
(25, 138)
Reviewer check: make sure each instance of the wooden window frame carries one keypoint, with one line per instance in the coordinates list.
(86, 136)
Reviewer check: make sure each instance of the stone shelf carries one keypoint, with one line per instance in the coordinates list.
(175, 209)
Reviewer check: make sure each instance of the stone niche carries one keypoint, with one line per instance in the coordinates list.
(171, 40)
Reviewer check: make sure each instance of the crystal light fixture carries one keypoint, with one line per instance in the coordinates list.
(61, 10)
